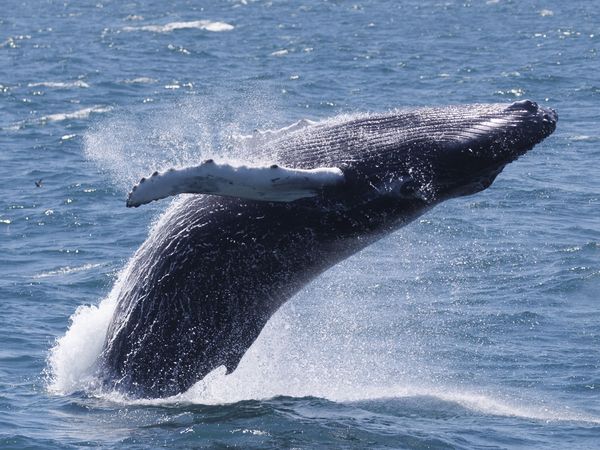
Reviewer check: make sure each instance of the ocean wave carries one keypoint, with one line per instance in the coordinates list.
(280, 52)
(12, 41)
(583, 138)
(65, 270)
(140, 80)
(60, 84)
(83, 113)
(79, 114)
(218, 389)
(206, 25)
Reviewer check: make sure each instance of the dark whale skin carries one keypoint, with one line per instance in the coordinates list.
(200, 289)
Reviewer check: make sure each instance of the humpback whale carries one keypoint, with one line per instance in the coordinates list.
(219, 263)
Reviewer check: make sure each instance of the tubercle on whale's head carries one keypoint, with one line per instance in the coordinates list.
(546, 118)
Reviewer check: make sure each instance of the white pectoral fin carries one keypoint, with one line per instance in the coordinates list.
(268, 183)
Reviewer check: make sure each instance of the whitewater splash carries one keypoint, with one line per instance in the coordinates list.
(60, 84)
(125, 146)
(131, 144)
(79, 114)
(83, 113)
(307, 351)
(206, 25)
(313, 346)
(66, 270)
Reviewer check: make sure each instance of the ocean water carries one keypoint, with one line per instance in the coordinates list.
(476, 326)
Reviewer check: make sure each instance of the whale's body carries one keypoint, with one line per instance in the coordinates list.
(214, 270)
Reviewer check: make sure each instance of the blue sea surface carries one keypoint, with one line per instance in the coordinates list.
(477, 326)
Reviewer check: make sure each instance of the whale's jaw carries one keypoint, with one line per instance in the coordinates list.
(479, 161)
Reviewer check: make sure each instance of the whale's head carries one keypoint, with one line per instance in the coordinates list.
(433, 154)
(469, 161)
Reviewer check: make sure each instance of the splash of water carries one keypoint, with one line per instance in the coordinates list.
(310, 347)
(132, 144)
(72, 359)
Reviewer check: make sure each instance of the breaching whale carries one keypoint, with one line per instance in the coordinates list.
(217, 266)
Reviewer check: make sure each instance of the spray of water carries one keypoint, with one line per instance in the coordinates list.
(131, 144)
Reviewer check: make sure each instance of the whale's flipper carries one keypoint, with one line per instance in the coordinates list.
(268, 183)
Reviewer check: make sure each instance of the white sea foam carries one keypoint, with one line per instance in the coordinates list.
(12, 41)
(282, 363)
(206, 25)
(72, 359)
(280, 52)
(140, 80)
(71, 362)
(583, 138)
(134, 17)
(83, 113)
(60, 84)
(79, 114)
(66, 270)
(130, 145)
